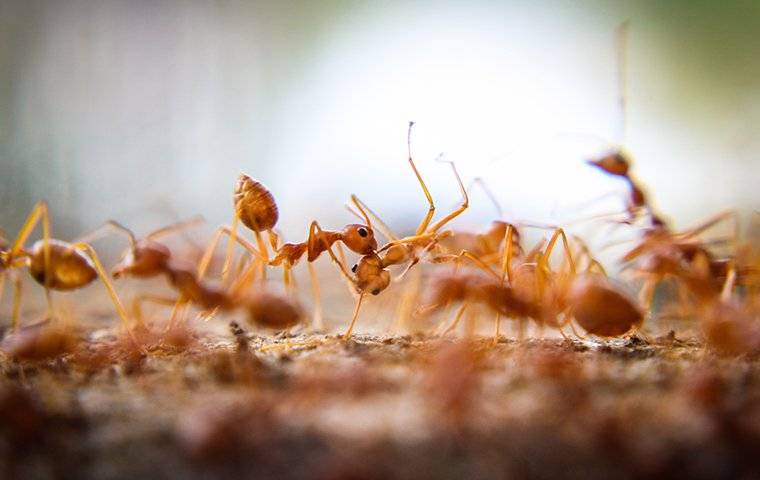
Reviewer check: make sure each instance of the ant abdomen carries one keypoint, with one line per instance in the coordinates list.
(601, 309)
(68, 269)
(273, 311)
(255, 204)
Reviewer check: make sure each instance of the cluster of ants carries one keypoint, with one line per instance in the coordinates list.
(491, 269)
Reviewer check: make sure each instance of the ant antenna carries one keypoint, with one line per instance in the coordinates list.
(181, 225)
(361, 209)
(103, 230)
(621, 54)
(409, 140)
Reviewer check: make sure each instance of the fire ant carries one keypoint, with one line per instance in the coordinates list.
(534, 291)
(148, 258)
(359, 238)
(55, 264)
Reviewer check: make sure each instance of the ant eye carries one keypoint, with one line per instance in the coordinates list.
(353, 269)
(363, 232)
(375, 291)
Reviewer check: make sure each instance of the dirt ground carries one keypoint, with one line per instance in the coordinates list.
(241, 405)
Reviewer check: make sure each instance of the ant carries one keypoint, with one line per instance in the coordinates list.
(534, 291)
(359, 238)
(54, 264)
(371, 271)
(148, 258)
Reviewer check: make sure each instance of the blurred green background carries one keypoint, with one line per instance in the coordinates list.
(147, 111)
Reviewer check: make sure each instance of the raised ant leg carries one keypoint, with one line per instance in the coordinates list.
(465, 201)
(40, 211)
(83, 247)
(431, 209)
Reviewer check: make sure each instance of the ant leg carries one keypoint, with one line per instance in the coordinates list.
(521, 329)
(209, 253)
(317, 322)
(405, 308)
(274, 240)
(472, 257)
(646, 294)
(506, 262)
(431, 206)
(347, 335)
(575, 332)
(712, 221)
(230, 245)
(175, 227)
(138, 301)
(728, 285)
(457, 319)
(497, 330)
(465, 202)
(40, 211)
(409, 239)
(342, 260)
(568, 253)
(264, 255)
(104, 278)
(2, 285)
(16, 312)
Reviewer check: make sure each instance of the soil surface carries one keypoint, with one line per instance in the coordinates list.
(240, 405)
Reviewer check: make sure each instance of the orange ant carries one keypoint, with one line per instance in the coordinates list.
(359, 238)
(534, 291)
(55, 264)
(149, 258)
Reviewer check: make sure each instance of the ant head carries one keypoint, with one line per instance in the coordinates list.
(614, 163)
(359, 239)
(147, 259)
(370, 275)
